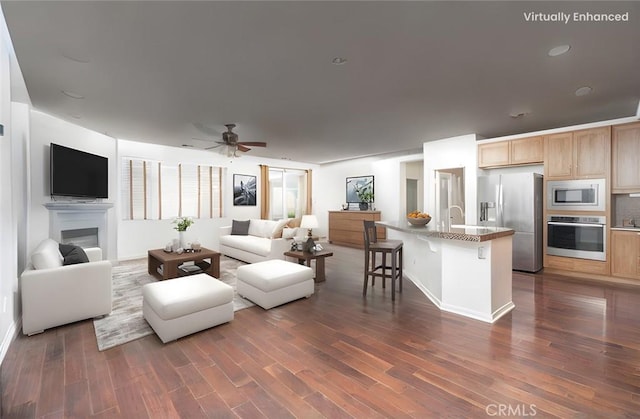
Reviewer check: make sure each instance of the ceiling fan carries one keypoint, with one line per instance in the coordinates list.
(231, 143)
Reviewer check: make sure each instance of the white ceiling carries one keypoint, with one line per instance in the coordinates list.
(416, 71)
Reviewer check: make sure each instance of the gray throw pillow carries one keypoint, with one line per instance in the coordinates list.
(72, 254)
(240, 228)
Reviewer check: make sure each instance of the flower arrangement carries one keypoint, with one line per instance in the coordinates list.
(182, 223)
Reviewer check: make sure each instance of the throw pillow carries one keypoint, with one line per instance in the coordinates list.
(277, 230)
(267, 228)
(72, 254)
(47, 255)
(294, 222)
(240, 228)
(289, 233)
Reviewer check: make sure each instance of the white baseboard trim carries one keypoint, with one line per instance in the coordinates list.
(436, 301)
(484, 317)
(8, 338)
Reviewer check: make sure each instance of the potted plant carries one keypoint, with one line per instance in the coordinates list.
(365, 195)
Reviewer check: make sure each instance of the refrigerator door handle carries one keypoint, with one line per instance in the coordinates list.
(500, 209)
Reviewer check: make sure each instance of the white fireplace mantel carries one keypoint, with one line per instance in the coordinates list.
(66, 215)
(78, 206)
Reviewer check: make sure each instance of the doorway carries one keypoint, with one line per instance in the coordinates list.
(412, 195)
(450, 205)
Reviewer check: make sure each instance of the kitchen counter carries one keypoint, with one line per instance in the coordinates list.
(463, 269)
(456, 232)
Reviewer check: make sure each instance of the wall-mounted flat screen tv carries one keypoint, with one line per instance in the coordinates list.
(77, 173)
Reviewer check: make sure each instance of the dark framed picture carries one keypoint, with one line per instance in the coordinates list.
(244, 190)
(356, 186)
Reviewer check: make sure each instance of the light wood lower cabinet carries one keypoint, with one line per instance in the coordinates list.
(346, 228)
(577, 265)
(625, 254)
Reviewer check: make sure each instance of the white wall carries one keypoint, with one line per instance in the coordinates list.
(330, 188)
(446, 154)
(47, 129)
(136, 237)
(389, 177)
(13, 195)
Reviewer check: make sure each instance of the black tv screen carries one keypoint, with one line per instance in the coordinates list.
(78, 174)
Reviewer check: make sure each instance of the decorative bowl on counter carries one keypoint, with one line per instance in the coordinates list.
(419, 221)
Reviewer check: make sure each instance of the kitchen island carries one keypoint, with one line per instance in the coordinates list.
(463, 269)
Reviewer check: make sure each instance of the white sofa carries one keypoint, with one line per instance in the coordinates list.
(54, 294)
(261, 244)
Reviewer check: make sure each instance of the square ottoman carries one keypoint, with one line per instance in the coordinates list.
(274, 282)
(178, 307)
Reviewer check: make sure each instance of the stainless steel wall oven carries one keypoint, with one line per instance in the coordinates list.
(576, 236)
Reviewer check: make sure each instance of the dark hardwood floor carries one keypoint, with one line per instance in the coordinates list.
(569, 349)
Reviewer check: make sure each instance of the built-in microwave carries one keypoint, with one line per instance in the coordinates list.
(576, 195)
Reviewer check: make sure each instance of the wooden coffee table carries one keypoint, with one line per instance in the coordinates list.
(308, 257)
(171, 260)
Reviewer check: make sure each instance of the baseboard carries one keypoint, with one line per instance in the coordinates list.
(8, 338)
(435, 300)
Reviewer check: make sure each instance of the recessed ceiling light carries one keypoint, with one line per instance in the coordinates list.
(338, 61)
(72, 95)
(583, 91)
(559, 50)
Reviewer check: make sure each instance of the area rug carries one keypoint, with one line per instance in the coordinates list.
(126, 323)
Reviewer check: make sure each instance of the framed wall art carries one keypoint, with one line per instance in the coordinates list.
(359, 186)
(244, 190)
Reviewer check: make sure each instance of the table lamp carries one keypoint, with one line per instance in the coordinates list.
(309, 222)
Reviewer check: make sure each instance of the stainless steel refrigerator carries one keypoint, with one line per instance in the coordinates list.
(515, 201)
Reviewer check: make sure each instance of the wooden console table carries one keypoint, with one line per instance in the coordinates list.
(346, 228)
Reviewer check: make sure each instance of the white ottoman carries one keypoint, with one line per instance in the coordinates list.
(274, 282)
(178, 307)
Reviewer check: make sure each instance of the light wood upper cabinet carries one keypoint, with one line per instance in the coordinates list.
(578, 155)
(511, 153)
(593, 152)
(625, 254)
(527, 150)
(494, 154)
(558, 156)
(626, 160)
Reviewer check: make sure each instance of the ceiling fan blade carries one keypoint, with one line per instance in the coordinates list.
(241, 147)
(214, 146)
(253, 143)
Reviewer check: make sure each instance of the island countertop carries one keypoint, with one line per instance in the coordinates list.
(456, 232)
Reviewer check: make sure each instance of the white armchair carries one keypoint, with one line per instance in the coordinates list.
(59, 295)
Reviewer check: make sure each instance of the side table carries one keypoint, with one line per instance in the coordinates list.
(307, 257)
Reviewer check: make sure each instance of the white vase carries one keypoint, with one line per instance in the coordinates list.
(183, 242)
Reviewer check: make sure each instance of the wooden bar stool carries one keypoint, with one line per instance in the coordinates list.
(373, 246)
